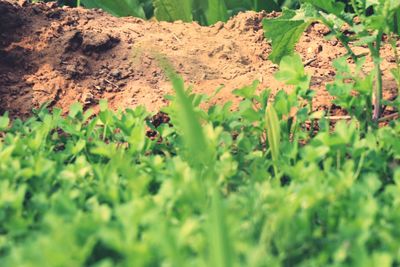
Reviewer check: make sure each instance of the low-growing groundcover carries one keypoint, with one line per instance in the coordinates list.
(256, 187)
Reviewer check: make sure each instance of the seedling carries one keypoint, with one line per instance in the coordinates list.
(371, 22)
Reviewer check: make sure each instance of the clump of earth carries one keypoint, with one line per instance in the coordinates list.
(60, 55)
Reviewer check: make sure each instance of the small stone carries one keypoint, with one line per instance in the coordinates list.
(116, 73)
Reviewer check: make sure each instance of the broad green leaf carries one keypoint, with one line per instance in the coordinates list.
(216, 11)
(258, 5)
(247, 111)
(137, 137)
(120, 8)
(171, 10)
(247, 91)
(328, 6)
(267, 5)
(284, 32)
(291, 71)
(239, 4)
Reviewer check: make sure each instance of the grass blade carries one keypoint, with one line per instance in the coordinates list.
(191, 128)
(273, 133)
(220, 244)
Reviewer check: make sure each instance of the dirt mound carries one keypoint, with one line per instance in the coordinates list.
(63, 55)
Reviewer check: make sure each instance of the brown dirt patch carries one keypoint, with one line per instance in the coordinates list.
(63, 55)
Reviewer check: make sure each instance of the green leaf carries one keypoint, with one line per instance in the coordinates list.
(247, 91)
(103, 105)
(291, 71)
(193, 136)
(220, 244)
(257, 5)
(171, 10)
(284, 32)
(382, 259)
(328, 6)
(216, 11)
(396, 74)
(137, 137)
(4, 122)
(78, 146)
(273, 132)
(396, 22)
(75, 109)
(365, 40)
(267, 5)
(119, 8)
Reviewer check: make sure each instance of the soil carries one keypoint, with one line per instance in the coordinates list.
(58, 56)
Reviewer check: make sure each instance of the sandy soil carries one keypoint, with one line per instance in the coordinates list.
(63, 55)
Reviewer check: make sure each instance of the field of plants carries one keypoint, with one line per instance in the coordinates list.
(183, 137)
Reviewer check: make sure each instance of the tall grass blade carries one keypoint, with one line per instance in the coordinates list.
(192, 131)
(273, 133)
(220, 244)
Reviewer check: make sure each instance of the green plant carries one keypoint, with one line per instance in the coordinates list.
(206, 12)
(211, 188)
(254, 187)
(119, 8)
(368, 23)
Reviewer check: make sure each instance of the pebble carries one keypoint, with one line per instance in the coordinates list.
(116, 73)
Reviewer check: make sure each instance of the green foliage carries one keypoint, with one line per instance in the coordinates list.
(120, 8)
(216, 11)
(255, 187)
(291, 71)
(213, 188)
(377, 18)
(349, 82)
(206, 12)
(220, 244)
(187, 121)
(171, 10)
(273, 133)
(284, 32)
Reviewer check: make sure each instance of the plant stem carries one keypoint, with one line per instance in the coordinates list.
(104, 132)
(342, 40)
(389, 117)
(377, 91)
(397, 59)
(348, 48)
